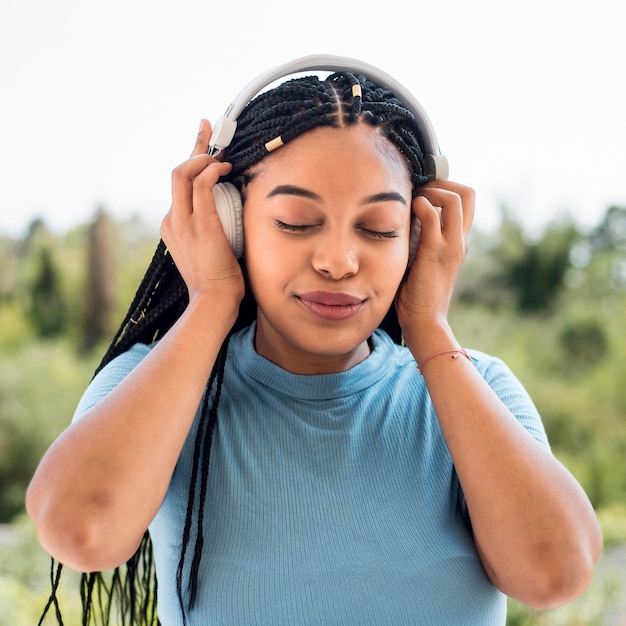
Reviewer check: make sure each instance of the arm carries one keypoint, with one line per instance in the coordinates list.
(100, 484)
(534, 528)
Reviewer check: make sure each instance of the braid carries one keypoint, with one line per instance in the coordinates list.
(287, 112)
(55, 578)
(159, 302)
(205, 449)
(284, 113)
(202, 448)
(302, 104)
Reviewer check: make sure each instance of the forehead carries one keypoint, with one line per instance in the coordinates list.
(345, 150)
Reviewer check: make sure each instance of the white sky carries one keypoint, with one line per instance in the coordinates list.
(100, 100)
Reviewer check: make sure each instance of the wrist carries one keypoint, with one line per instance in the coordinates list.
(453, 353)
(214, 310)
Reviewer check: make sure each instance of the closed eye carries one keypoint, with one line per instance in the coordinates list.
(388, 234)
(303, 228)
(293, 228)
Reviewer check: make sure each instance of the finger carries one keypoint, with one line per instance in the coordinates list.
(439, 210)
(182, 181)
(202, 139)
(467, 196)
(428, 214)
(457, 206)
(203, 184)
(468, 203)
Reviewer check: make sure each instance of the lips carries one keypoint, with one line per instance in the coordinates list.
(331, 306)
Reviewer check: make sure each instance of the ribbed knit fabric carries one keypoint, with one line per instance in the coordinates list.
(332, 499)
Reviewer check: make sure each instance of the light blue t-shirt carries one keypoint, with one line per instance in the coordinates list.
(332, 499)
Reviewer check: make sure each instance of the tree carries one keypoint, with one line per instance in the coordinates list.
(100, 288)
(508, 269)
(611, 232)
(47, 310)
(537, 276)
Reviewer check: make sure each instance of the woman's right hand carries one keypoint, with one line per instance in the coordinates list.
(192, 230)
(101, 483)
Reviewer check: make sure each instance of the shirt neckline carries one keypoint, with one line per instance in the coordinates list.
(311, 386)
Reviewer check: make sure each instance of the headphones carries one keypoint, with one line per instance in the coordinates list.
(227, 198)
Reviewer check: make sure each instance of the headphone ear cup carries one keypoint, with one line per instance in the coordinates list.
(414, 237)
(230, 209)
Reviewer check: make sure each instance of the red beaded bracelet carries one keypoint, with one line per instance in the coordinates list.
(454, 352)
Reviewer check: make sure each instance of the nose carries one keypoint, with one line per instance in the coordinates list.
(336, 257)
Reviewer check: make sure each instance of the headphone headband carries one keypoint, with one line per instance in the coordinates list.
(224, 130)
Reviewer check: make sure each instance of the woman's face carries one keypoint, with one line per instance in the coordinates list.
(326, 222)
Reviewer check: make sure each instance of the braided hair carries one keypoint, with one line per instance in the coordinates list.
(271, 119)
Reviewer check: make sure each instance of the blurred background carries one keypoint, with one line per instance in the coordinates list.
(101, 100)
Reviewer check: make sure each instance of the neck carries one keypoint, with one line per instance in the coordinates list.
(308, 363)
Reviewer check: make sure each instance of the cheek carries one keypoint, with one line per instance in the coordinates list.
(268, 259)
(391, 268)
(389, 275)
(396, 261)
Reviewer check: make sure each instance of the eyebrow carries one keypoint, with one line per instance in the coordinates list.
(294, 190)
(385, 196)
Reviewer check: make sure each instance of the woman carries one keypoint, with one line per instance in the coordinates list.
(348, 461)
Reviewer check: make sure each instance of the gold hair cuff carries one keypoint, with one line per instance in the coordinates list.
(270, 146)
(142, 316)
(356, 91)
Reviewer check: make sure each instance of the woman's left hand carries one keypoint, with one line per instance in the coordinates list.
(534, 528)
(425, 295)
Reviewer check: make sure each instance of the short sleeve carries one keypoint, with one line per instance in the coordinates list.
(512, 393)
(109, 377)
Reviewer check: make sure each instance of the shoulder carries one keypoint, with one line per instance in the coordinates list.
(496, 372)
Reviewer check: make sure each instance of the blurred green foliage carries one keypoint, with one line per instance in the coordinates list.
(553, 308)
(569, 350)
(45, 317)
(25, 580)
